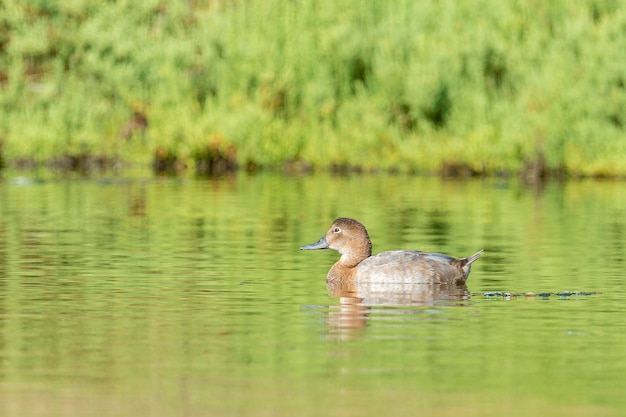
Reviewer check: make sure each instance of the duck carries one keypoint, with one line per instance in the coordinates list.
(357, 264)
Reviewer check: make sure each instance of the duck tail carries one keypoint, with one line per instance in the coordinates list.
(472, 258)
(466, 265)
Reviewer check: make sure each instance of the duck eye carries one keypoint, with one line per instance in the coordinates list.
(336, 230)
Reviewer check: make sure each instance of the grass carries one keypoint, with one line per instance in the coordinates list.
(489, 86)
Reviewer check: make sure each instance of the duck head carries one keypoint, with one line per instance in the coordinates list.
(349, 238)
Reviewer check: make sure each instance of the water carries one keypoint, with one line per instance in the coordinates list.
(163, 297)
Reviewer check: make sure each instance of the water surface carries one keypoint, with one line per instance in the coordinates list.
(163, 297)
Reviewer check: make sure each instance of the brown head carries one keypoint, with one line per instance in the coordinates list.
(348, 237)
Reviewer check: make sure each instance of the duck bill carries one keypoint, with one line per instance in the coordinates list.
(320, 244)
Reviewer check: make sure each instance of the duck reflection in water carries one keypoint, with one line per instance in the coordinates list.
(357, 302)
(393, 278)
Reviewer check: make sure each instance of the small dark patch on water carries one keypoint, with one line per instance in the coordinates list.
(533, 295)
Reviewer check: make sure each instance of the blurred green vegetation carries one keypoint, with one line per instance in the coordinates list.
(482, 87)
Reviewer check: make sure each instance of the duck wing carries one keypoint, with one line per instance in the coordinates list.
(415, 267)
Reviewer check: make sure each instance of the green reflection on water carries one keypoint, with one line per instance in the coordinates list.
(164, 297)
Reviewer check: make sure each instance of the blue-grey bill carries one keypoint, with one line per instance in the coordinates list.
(320, 244)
